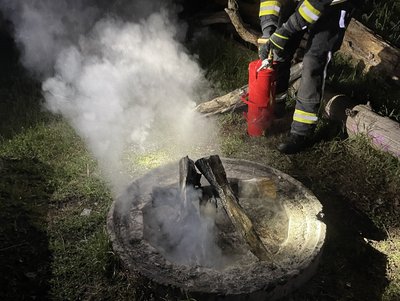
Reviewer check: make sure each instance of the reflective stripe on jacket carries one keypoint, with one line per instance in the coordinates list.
(270, 8)
(306, 14)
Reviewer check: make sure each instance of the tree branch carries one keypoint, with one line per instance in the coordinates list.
(245, 33)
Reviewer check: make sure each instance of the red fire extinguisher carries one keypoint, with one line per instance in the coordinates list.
(260, 96)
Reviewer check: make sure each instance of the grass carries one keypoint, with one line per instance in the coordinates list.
(80, 262)
(49, 250)
(358, 187)
(383, 18)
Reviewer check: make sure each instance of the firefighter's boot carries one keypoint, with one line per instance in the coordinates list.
(294, 144)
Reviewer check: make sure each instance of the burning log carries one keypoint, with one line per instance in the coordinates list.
(187, 176)
(214, 172)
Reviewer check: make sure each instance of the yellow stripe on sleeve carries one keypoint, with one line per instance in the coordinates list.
(270, 8)
(309, 12)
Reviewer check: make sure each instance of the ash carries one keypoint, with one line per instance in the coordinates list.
(183, 231)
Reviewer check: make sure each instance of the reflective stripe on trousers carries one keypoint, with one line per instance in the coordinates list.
(326, 36)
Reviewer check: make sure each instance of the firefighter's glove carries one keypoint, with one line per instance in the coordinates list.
(279, 39)
(263, 51)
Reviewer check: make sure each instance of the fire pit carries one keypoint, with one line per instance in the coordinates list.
(195, 247)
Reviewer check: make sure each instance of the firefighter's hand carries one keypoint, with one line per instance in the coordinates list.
(263, 50)
(279, 39)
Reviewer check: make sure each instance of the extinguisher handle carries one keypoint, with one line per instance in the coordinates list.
(271, 55)
(268, 62)
(264, 65)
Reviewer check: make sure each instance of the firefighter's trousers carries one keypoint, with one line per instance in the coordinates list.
(325, 37)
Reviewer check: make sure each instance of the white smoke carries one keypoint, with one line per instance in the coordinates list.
(181, 231)
(117, 72)
(43, 28)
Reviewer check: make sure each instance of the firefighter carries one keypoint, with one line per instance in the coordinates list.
(284, 23)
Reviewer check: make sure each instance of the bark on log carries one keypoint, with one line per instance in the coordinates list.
(376, 55)
(214, 172)
(366, 48)
(222, 104)
(383, 133)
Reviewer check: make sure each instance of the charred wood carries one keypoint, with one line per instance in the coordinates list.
(188, 176)
(214, 172)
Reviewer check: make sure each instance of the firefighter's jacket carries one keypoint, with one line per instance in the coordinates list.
(325, 37)
(307, 12)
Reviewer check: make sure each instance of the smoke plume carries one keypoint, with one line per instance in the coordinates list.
(116, 70)
(183, 233)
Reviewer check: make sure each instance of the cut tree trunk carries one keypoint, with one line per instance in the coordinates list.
(377, 56)
(367, 49)
(214, 172)
(383, 133)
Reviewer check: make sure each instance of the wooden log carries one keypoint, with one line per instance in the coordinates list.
(377, 56)
(188, 176)
(245, 33)
(187, 173)
(214, 172)
(383, 133)
(222, 104)
(232, 100)
(337, 108)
